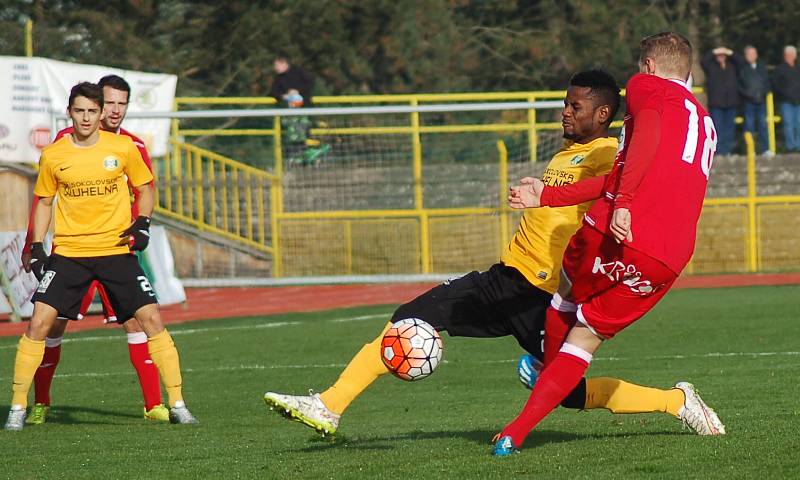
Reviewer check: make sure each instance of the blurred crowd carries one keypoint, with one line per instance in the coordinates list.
(739, 83)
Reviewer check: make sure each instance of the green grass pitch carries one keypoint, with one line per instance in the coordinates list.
(739, 346)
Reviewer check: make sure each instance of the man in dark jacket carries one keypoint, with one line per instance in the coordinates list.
(291, 77)
(786, 82)
(722, 88)
(753, 87)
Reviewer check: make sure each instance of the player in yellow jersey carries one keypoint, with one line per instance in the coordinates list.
(512, 296)
(89, 171)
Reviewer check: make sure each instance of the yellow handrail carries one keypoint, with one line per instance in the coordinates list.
(194, 183)
(29, 38)
(502, 187)
(751, 203)
(203, 188)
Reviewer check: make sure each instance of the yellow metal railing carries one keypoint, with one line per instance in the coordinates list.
(414, 128)
(226, 197)
(754, 205)
(531, 125)
(217, 194)
(29, 38)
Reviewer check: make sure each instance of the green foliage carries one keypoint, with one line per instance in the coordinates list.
(384, 46)
(441, 426)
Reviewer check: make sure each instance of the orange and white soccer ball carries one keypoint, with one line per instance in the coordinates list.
(411, 349)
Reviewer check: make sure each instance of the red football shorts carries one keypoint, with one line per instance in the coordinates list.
(613, 284)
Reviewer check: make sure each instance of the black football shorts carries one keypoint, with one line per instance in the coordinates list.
(494, 303)
(66, 281)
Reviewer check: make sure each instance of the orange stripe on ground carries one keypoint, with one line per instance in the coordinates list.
(212, 303)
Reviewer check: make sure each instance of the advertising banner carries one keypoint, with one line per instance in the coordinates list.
(156, 261)
(33, 89)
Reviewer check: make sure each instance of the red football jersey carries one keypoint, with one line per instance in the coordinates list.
(666, 196)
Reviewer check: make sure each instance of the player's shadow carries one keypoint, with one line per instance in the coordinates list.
(72, 415)
(480, 437)
(388, 442)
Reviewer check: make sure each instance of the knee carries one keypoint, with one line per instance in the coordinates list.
(41, 323)
(132, 326)
(149, 319)
(37, 331)
(58, 329)
(565, 287)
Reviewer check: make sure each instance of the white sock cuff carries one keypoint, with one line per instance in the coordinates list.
(576, 351)
(52, 342)
(137, 338)
(562, 305)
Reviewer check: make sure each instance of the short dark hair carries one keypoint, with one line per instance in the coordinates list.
(116, 82)
(283, 56)
(604, 89)
(86, 89)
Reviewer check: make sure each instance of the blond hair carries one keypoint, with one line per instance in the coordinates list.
(671, 51)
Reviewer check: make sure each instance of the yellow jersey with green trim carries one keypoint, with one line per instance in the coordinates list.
(543, 234)
(93, 204)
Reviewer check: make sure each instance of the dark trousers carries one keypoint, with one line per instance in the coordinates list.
(790, 118)
(755, 121)
(725, 124)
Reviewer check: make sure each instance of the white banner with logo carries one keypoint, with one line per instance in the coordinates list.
(33, 89)
(159, 266)
(157, 262)
(22, 284)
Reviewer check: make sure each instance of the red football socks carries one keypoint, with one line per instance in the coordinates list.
(557, 325)
(44, 374)
(552, 387)
(145, 369)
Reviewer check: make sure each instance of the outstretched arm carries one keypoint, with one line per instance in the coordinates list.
(575, 193)
(532, 193)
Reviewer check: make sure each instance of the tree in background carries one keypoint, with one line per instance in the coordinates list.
(383, 46)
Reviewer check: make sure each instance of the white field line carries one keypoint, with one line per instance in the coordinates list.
(250, 367)
(188, 331)
(244, 367)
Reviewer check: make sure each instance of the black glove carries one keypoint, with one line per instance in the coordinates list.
(38, 260)
(140, 231)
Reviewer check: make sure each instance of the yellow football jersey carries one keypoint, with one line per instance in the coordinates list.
(544, 233)
(93, 204)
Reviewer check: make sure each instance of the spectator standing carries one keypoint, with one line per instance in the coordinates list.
(753, 87)
(786, 82)
(292, 87)
(291, 77)
(722, 88)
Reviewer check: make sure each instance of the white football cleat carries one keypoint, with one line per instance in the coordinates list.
(696, 415)
(181, 415)
(306, 409)
(16, 418)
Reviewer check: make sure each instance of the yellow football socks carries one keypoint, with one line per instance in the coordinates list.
(29, 357)
(363, 369)
(622, 397)
(165, 356)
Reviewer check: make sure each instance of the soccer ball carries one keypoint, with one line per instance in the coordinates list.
(411, 349)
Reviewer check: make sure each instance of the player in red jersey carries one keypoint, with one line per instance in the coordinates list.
(116, 93)
(636, 238)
